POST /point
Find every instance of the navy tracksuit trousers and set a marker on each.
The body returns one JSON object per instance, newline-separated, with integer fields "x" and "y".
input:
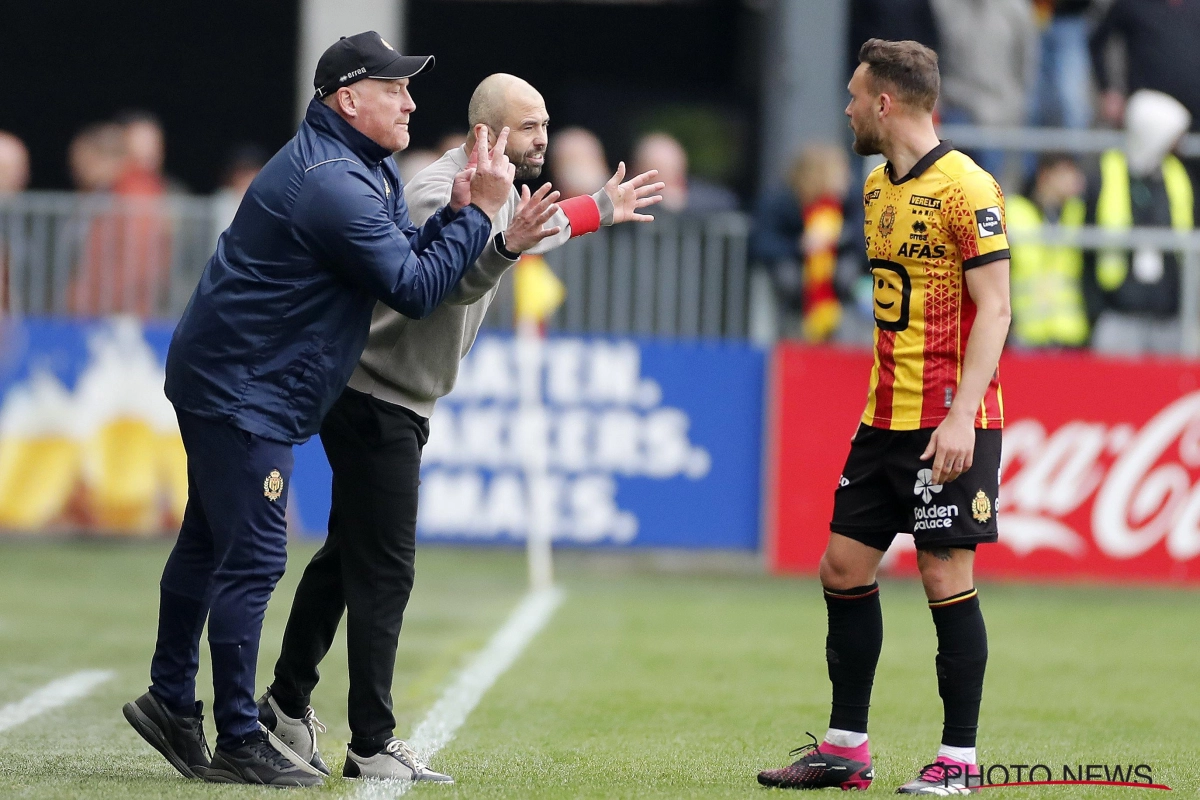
{"x": 230, "y": 554}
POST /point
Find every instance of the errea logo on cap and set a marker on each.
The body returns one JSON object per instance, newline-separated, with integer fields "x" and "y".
{"x": 385, "y": 44}
{"x": 350, "y": 75}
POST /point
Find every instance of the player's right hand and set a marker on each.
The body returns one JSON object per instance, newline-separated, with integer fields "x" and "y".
{"x": 533, "y": 212}
{"x": 494, "y": 173}
{"x": 952, "y": 448}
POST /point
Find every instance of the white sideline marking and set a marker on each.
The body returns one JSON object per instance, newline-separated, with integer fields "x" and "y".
{"x": 52, "y": 695}
{"x": 460, "y": 698}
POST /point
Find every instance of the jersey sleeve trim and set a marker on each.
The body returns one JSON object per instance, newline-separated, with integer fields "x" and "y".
{"x": 984, "y": 258}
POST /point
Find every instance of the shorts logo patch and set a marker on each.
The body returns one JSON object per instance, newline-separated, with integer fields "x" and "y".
{"x": 273, "y": 486}
{"x": 925, "y": 486}
{"x": 981, "y": 507}
{"x": 987, "y": 220}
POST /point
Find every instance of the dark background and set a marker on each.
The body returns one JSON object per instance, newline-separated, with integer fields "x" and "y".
{"x": 618, "y": 70}
{"x": 217, "y": 73}
{"x": 222, "y": 73}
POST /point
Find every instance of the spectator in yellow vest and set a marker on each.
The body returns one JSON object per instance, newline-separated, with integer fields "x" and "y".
{"x": 1142, "y": 184}
{"x": 1047, "y": 289}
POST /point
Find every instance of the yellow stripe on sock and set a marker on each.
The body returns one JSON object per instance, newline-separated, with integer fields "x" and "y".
{"x": 949, "y": 601}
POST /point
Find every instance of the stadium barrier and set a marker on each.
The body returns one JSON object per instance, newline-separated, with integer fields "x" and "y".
{"x": 1099, "y": 477}
{"x": 683, "y": 276}
{"x": 686, "y": 276}
{"x": 1050, "y": 140}
{"x": 647, "y": 443}
{"x": 63, "y": 253}
{"x": 66, "y": 254}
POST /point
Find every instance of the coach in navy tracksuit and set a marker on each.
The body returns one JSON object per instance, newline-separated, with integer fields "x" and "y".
{"x": 263, "y": 349}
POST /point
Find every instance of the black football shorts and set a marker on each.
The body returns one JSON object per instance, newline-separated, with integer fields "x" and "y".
{"x": 886, "y": 488}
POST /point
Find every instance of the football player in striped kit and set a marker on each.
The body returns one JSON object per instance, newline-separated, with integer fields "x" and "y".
{"x": 926, "y": 456}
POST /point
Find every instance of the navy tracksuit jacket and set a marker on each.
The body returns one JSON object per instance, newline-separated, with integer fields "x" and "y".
{"x": 266, "y": 345}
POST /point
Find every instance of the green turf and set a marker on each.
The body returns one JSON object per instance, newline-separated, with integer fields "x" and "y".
{"x": 646, "y": 683}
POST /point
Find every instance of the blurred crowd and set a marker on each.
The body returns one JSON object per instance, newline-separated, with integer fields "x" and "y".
{"x": 120, "y": 238}
{"x": 1133, "y": 65}
{"x": 577, "y": 164}
{"x": 1072, "y": 64}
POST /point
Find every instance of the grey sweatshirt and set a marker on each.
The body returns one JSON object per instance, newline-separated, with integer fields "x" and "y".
{"x": 412, "y": 363}
{"x": 988, "y": 57}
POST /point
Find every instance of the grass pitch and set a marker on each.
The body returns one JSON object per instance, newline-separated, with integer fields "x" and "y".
{"x": 648, "y": 682}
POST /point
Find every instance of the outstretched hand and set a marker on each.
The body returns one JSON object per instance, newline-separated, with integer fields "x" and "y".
{"x": 532, "y": 213}
{"x": 635, "y": 193}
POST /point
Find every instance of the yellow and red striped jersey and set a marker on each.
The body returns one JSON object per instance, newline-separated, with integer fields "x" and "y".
{"x": 923, "y": 232}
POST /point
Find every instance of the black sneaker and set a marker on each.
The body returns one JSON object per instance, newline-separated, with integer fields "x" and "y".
{"x": 817, "y": 769}
{"x": 262, "y": 759}
{"x": 180, "y": 739}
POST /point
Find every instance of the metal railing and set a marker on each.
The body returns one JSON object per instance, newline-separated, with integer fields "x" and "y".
{"x": 1040, "y": 140}
{"x": 684, "y": 275}
{"x": 85, "y": 255}
{"x": 89, "y": 255}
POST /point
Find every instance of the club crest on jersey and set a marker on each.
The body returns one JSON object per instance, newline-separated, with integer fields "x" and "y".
{"x": 981, "y": 507}
{"x": 887, "y": 220}
{"x": 273, "y": 486}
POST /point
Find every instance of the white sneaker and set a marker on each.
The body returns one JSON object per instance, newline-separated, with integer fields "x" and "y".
{"x": 298, "y": 734}
{"x": 397, "y": 761}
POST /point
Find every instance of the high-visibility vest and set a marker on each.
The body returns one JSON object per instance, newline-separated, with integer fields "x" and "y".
{"x": 1047, "y": 296}
{"x": 1114, "y": 210}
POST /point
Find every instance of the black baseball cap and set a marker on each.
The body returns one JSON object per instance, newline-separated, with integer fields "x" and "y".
{"x": 364, "y": 55}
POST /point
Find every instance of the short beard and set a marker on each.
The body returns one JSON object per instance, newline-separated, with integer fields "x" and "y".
{"x": 527, "y": 172}
{"x": 867, "y": 145}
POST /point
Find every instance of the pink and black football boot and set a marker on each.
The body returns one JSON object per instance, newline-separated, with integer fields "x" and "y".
{"x": 823, "y": 766}
{"x": 945, "y": 777}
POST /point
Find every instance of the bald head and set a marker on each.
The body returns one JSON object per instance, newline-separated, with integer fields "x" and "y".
{"x": 503, "y": 100}
{"x": 14, "y": 164}
{"x": 493, "y": 97}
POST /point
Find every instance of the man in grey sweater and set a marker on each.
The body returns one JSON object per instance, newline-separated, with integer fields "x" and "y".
{"x": 375, "y": 432}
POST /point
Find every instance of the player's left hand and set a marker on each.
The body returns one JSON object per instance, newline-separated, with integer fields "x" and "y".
{"x": 952, "y": 447}
{"x": 628, "y": 197}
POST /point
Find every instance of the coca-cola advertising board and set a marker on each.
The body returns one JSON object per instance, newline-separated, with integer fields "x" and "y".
{"x": 1100, "y": 477}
